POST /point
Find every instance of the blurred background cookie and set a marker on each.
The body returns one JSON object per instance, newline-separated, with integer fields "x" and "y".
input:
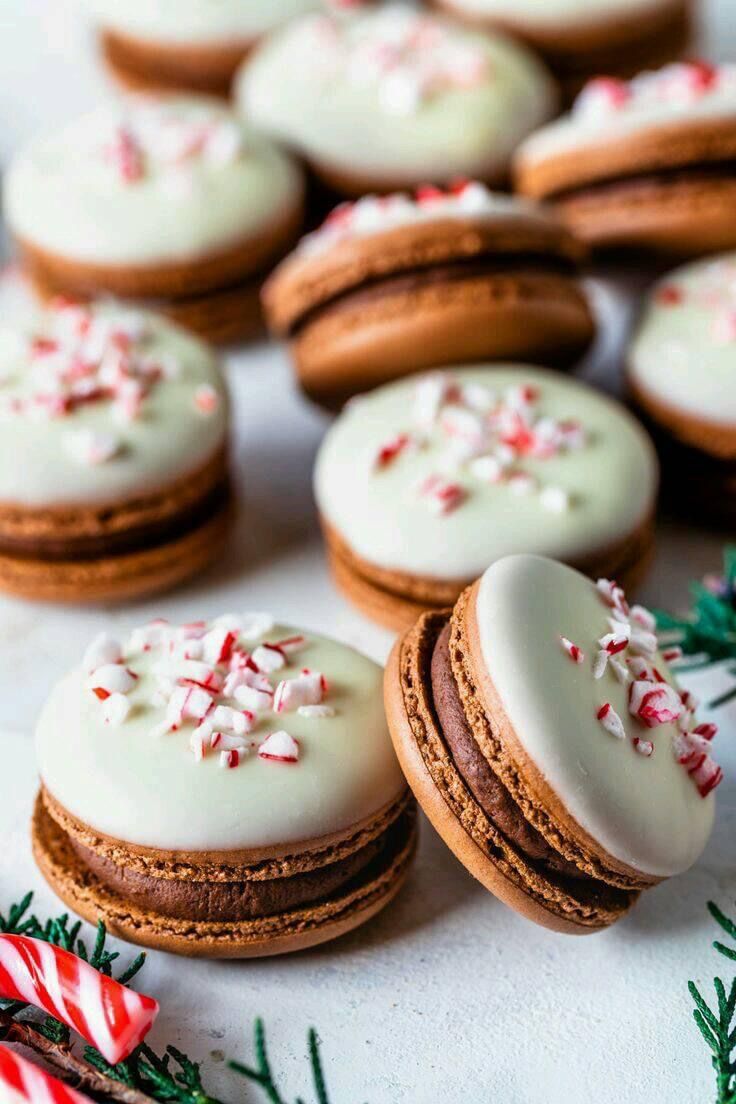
{"x": 174, "y": 203}
{"x": 184, "y": 45}
{"x": 393, "y": 284}
{"x": 390, "y": 98}
{"x": 421, "y": 484}
{"x": 681, "y": 365}
{"x": 580, "y": 39}
{"x": 113, "y": 455}
{"x": 645, "y": 164}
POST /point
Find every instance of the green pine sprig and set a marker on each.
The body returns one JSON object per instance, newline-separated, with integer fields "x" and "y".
{"x": 144, "y": 1077}
{"x": 708, "y": 632}
{"x": 262, "y": 1075}
{"x": 718, "y": 1025}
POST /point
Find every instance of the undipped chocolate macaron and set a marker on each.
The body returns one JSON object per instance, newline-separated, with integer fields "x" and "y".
{"x": 196, "y": 45}
{"x": 224, "y": 790}
{"x": 681, "y": 367}
{"x": 580, "y": 39}
{"x": 172, "y": 202}
{"x": 385, "y": 98}
{"x": 113, "y": 454}
{"x": 423, "y": 483}
{"x": 393, "y": 284}
{"x": 548, "y": 743}
{"x": 646, "y": 163}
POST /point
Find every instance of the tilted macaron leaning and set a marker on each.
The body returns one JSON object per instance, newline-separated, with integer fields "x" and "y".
{"x": 548, "y": 743}
{"x": 680, "y": 374}
{"x": 390, "y": 98}
{"x": 223, "y": 789}
{"x": 392, "y": 284}
{"x": 161, "y": 45}
{"x": 173, "y": 201}
{"x": 422, "y": 484}
{"x": 645, "y": 163}
{"x": 113, "y": 454}
{"x": 580, "y": 39}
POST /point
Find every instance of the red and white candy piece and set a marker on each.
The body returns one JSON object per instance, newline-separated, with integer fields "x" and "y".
{"x": 279, "y": 747}
{"x": 391, "y": 450}
{"x": 442, "y": 495}
{"x": 111, "y": 678}
{"x": 23, "y": 1083}
{"x": 654, "y": 703}
{"x": 90, "y": 447}
{"x": 308, "y": 688}
{"x": 575, "y": 653}
{"x": 110, "y": 1017}
{"x": 611, "y": 721}
{"x": 103, "y": 650}
{"x": 206, "y": 399}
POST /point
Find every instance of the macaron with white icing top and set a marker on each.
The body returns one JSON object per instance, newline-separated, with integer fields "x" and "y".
{"x": 223, "y": 788}
{"x": 392, "y": 97}
{"x": 389, "y": 285}
{"x": 632, "y": 161}
{"x": 423, "y": 483}
{"x": 174, "y": 201}
{"x": 196, "y": 45}
{"x": 580, "y": 39}
{"x": 680, "y": 370}
{"x": 118, "y": 422}
{"x": 547, "y": 740}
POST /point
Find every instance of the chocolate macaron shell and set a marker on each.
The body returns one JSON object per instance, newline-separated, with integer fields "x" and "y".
{"x": 499, "y": 726}
{"x": 449, "y": 805}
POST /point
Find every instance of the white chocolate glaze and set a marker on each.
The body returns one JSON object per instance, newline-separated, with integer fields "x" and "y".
{"x": 580, "y": 499}
{"x": 683, "y": 353}
{"x": 608, "y": 110}
{"x": 558, "y": 14}
{"x": 147, "y": 788}
{"x": 396, "y": 93}
{"x": 377, "y": 214}
{"x": 67, "y": 393}
{"x": 646, "y": 812}
{"x": 142, "y": 182}
{"x": 195, "y": 22}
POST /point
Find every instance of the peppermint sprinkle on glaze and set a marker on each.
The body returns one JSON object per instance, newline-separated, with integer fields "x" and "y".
{"x": 630, "y": 650}
{"x": 486, "y": 435}
{"x": 206, "y": 677}
{"x": 679, "y": 85}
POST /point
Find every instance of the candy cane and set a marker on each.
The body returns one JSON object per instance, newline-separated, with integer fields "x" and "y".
{"x": 110, "y": 1017}
{"x": 23, "y": 1083}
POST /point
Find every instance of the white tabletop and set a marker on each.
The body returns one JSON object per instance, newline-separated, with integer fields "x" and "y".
{"x": 446, "y": 996}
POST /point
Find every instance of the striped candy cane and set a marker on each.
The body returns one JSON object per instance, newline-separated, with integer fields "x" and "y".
{"x": 110, "y": 1017}
{"x": 23, "y": 1083}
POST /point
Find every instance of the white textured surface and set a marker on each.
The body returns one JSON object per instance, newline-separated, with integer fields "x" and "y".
{"x": 447, "y": 996}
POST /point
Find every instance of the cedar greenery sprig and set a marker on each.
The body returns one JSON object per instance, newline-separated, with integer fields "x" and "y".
{"x": 718, "y": 1026}
{"x": 708, "y": 632}
{"x": 144, "y": 1077}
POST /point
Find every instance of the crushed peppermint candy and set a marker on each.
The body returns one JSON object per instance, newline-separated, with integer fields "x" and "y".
{"x": 408, "y": 57}
{"x": 630, "y": 651}
{"x": 487, "y": 436}
{"x": 81, "y": 357}
{"x": 679, "y": 86}
{"x": 375, "y": 214}
{"x": 167, "y": 138}
{"x": 217, "y": 679}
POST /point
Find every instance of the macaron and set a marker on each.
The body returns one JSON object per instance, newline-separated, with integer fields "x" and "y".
{"x": 547, "y": 741}
{"x": 376, "y": 100}
{"x": 173, "y": 202}
{"x": 644, "y": 164}
{"x": 393, "y": 284}
{"x": 423, "y": 483}
{"x": 195, "y": 45}
{"x": 580, "y": 39}
{"x": 224, "y": 789}
{"x": 680, "y": 370}
{"x": 113, "y": 454}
